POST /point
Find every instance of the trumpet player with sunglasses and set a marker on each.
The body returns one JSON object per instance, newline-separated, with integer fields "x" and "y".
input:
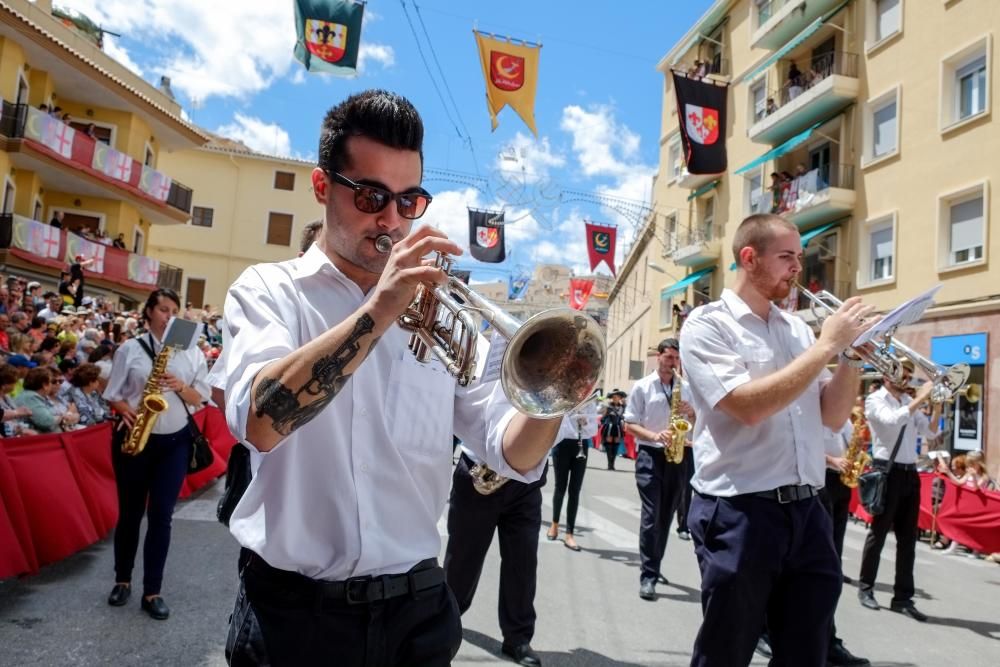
{"x": 350, "y": 434}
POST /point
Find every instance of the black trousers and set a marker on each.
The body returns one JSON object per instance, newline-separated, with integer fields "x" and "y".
{"x": 148, "y": 484}
{"x": 902, "y": 510}
{"x": 569, "y": 471}
{"x": 660, "y": 485}
{"x": 611, "y": 451}
{"x": 837, "y": 499}
{"x": 759, "y": 558}
{"x": 515, "y": 512}
{"x": 274, "y": 625}
{"x": 685, "y": 501}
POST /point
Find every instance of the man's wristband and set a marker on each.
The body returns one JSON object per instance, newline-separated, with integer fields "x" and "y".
{"x": 853, "y": 362}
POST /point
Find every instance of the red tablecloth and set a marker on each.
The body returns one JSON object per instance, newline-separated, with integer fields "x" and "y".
{"x": 58, "y": 491}
{"x": 971, "y": 518}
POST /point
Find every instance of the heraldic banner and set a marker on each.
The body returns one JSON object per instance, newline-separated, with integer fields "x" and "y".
{"x": 601, "y": 245}
{"x": 701, "y": 108}
{"x": 579, "y": 292}
{"x": 486, "y": 235}
{"x": 511, "y": 73}
{"x": 328, "y": 35}
{"x": 517, "y": 283}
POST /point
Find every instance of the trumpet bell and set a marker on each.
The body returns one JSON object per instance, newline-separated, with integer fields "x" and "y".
{"x": 553, "y": 363}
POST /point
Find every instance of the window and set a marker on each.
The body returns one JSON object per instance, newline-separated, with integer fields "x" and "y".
{"x": 966, "y": 231}
{"x": 884, "y": 129}
{"x": 708, "y": 220}
{"x": 965, "y": 90}
{"x": 755, "y": 193}
{"x": 137, "y": 241}
{"x": 674, "y": 159}
{"x": 201, "y": 216}
{"x": 764, "y": 11}
{"x": 666, "y": 310}
{"x": 880, "y": 252}
{"x": 670, "y": 238}
{"x": 195, "y": 292}
{"x": 888, "y": 18}
{"x": 972, "y": 88}
{"x": 279, "y": 229}
{"x": 758, "y": 100}
{"x": 150, "y": 157}
{"x": 284, "y": 180}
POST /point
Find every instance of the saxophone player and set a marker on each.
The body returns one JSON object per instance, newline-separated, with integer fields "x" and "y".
{"x": 148, "y": 483}
{"x": 660, "y": 482}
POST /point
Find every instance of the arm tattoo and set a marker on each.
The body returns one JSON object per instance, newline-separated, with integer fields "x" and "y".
{"x": 282, "y": 405}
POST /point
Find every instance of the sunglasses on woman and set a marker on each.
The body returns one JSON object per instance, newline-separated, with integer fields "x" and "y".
{"x": 372, "y": 199}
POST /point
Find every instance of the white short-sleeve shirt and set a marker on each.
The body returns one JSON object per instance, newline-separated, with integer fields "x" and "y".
{"x": 649, "y": 404}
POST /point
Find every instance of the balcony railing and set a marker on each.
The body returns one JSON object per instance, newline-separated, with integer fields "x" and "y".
{"x": 799, "y": 193}
{"x": 698, "y": 68}
{"x": 43, "y": 244}
{"x": 808, "y": 73}
{"x": 81, "y": 151}
{"x": 697, "y": 236}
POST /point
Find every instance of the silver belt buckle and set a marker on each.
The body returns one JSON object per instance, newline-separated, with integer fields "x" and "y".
{"x": 781, "y": 497}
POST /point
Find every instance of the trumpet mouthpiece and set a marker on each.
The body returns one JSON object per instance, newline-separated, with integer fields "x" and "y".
{"x": 383, "y": 243}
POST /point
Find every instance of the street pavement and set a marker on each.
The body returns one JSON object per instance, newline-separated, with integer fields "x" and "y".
{"x": 589, "y": 612}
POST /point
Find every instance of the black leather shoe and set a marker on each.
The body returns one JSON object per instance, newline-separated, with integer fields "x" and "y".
{"x": 839, "y": 656}
{"x": 907, "y": 609}
{"x": 119, "y": 595}
{"x": 867, "y": 600}
{"x": 522, "y": 654}
{"x": 647, "y": 589}
{"x": 764, "y": 647}
{"x": 156, "y": 608}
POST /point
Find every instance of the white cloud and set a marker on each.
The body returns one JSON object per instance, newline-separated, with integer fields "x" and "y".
{"x": 223, "y": 49}
{"x": 119, "y": 53}
{"x": 382, "y": 54}
{"x": 261, "y": 136}
{"x": 603, "y": 146}
{"x": 528, "y": 157}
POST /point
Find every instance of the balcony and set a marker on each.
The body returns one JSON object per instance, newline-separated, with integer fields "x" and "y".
{"x": 715, "y": 67}
{"x": 778, "y": 21}
{"x": 688, "y": 180}
{"x": 68, "y": 160}
{"x": 803, "y": 307}
{"x": 25, "y": 242}
{"x": 695, "y": 247}
{"x": 826, "y": 84}
{"x": 819, "y": 196}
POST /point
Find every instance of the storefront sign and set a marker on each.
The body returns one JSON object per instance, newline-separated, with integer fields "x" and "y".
{"x": 970, "y": 348}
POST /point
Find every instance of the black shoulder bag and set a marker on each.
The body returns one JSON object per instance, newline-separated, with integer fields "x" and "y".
{"x": 871, "y": 485}
{"x": 201, "y": 451}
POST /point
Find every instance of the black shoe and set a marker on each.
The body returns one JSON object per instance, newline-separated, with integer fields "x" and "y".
{"x": 660, "y": 579}
{"x": 764, "y": 647}
{"x": 522, "y": 654}
{"x": 848, "y": 580}
{"x": 907, "y": 609}
{"x": 119, "y": 595}
{"x": 684, "y": 535}
{"x": 839, "y": 656}
{"x": 647, "y": 589}
{"x": 156, "y": 608}
{"x": 867, "y": 600}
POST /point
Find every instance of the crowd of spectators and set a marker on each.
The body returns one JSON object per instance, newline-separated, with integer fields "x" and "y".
{"x": 55, "y": 357}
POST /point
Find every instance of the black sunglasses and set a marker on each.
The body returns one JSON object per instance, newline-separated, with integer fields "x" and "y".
{"x": 372, "y": 199}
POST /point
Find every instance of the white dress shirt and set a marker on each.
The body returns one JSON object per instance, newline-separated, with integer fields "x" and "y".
{"x": 359, "y": 489}
{"x": 649, "y": 404}
{"x": 724, "y": 345}
{"x": 131, "y": 368}
{"x": 579, "y": 424}
{"x": 886, "y": 415}
{"x": 835, "y": 442}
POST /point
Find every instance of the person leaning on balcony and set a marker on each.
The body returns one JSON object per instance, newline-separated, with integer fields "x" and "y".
{"x": 57, "y": 220}
{"x": 119, "y": 242}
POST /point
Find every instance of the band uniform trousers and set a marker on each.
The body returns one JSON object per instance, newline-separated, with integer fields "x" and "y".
{"x": 685, "y": 502}
{"x": 148, "y": 484}
{"x": 515, "y": 512}
{"x": 660, "y": 487}
{"x": 569, "y": 468}
{"x": 902, "y": 509}
{"x": 275, "y": 623}
{"x": 763, "y": 559}
{"x": 836, "y": 498}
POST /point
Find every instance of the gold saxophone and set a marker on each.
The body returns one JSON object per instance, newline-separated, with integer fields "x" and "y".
{"x": 674, "y": 451}
{"x": 150, "y": 407}
{"x": 857, "y": 458}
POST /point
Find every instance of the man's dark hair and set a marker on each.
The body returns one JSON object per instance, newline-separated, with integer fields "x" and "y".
{"x": 309, "y": 233}
{"x": 756, "y": 232}
{"x": 385, "y": 117}
{"x": 671, "y": 343}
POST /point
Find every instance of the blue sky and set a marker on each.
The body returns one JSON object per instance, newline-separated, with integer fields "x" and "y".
{"x": 597, "y": 109}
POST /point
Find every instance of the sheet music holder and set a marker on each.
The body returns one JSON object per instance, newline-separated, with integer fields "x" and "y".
{"x": 180, "y": 334}
{"x": 906, "y": 313}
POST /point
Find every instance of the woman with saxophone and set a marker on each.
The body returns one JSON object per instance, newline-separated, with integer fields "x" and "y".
{"x": 149, "y": 477}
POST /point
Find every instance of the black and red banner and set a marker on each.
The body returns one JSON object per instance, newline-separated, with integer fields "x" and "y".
{"x": 486, "y": 240}
{"x": 701, "y": 110}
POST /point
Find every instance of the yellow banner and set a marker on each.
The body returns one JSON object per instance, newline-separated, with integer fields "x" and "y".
{"x": 511, "y": 73}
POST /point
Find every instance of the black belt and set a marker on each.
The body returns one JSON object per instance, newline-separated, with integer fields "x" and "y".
{"x": 789, "y": 493}
{"x": 884, "y": 465}
{"x": 357, "y": 590}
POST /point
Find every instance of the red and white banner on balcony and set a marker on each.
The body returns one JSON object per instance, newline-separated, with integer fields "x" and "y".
{"x": 36, "y": 237}
{"x": 579, "y": 292}
{"x": 77, "y": 246}
{"x": 143, "y": 269}
{"x": 101, "y": 159}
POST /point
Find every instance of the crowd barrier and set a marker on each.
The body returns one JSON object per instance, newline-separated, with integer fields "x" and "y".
{"x": 57, "y": 491}
{"x": 971, "y": 518}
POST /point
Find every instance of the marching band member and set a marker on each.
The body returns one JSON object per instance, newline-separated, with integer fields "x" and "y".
{"x": 350, "y": 435}
{"x": 762, "y": 393}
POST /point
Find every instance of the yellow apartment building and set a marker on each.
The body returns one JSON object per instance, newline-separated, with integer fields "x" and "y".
{"x": 98, "y": 162}
{"x": 248, "y": 208}
{"x": 880, "y": 112}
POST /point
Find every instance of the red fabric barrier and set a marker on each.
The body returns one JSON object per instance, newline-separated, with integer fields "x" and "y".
{"x": 971, "y": 518}
{"x": 58, "y": 491}
{"x": 629, "y": 442}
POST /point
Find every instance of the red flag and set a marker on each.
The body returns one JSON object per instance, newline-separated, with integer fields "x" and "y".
{"x": 579, "y": 292}
{"x": 601, "y": 245}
